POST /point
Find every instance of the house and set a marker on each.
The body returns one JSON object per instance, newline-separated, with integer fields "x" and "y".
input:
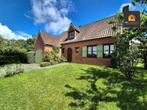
{"x": 89, "y": 44}
{"x": 44, "y": 43}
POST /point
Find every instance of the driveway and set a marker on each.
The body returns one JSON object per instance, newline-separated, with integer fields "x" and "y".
{"x": 28, "y": 67}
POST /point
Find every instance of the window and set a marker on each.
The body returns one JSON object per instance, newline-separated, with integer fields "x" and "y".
{"x": 71, "y": 35}
{"x": 92, "y": 51}
{"x": 111, "y": 48}
{"x": 62, "y": 50}
{"x": 108, "y": 50}
{"x": 77, "y": 49}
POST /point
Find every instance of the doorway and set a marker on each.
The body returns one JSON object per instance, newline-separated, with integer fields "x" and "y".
{"x": 69, "y": 55}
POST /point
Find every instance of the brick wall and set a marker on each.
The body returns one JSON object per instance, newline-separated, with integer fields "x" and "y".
{"x": 39, "y": 45}
{"x": 77, "y": 57}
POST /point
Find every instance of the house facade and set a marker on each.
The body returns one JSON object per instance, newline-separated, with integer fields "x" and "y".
{"x": 89, "y": 44}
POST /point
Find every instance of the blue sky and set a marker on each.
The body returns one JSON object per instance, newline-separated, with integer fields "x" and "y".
{"x": 26, "y": 17}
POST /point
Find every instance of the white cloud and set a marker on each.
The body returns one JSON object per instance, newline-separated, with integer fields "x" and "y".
{"x": 52, "y": 13}
{"x": 131, "y": 7}
{"x": 7, "y": 33}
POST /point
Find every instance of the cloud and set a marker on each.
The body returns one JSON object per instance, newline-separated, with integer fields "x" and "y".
{"x": 131, "y": 7}
{"x": 7, "y": 33}
{"x": 52, "y": 13}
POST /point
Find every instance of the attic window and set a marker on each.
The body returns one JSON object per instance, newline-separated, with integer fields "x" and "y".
{"x": 71, "y": 35}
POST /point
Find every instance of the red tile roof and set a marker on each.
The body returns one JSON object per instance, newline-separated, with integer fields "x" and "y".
{"x": 48, "y": 39}
{"x": 98, "y": 29}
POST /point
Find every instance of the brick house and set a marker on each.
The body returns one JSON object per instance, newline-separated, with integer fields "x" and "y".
{"x": 89, "y": 44}
{"x": 45, "y": 42}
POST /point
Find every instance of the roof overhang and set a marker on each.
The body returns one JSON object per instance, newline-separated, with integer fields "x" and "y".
{"x": 84, "y": 40}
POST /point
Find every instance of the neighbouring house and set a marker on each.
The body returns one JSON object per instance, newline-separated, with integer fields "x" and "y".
{"x": 89, "y": 44}
{"x": 44, "y": 43}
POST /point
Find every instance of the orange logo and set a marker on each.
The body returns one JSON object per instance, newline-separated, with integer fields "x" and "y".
{"x": 131, "y": 18}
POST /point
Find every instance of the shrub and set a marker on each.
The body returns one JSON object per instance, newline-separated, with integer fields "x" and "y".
{"x": 13, "y": 55}
{"x": 10, "y": 70}
{"x": 63, "y": 59}
{"x": 52, "y": 56}
{"x": 44, "y": 64}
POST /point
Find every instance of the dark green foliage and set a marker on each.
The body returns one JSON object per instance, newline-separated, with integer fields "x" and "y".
{"x": 30, "y": 43}
{"x": 13, "y": 55}
{"x": 127, "y": 51}
{"x": 15, "y": 51}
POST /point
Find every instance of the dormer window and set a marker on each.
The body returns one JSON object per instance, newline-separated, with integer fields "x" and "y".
{"x": 72, "y": 32}
{"x": 71, "y": 35}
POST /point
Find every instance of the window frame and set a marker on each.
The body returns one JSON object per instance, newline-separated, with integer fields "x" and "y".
{"x": 92, "y": 51}
{"x": 69, "y": 35}
{"x": 109, "y": 50}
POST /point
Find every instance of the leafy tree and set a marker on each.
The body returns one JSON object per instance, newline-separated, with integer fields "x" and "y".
{"x": 30, "y": 43}
{"x": 139, "y": 1}
{"x": 143, "y": 4}
{"x": 127, "y": 50}
{"x": 143, "y": 31}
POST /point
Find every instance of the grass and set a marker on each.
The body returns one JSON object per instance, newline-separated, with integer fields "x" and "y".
{"x": 74, "y": 86}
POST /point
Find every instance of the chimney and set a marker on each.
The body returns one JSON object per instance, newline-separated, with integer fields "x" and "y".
{"x": 125, "y": 8}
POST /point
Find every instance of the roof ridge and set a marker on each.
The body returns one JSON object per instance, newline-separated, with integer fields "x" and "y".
{"x": 48, "y": 34}
{"x": 97, "y": 21}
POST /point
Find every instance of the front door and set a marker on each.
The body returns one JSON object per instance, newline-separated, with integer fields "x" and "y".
{"x": 69, "y": 55}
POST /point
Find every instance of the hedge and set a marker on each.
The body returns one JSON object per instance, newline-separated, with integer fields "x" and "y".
{"x": 9, "y": 70}
{"x": 9, "y": 56}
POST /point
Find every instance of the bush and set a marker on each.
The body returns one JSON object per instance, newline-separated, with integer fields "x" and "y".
{"x": 9, "y": 56}
{"x": 10, "y": 70}
{"x": 44, "y": 64}
{"x": 53, "y": 55}
{"x": 63, "y": 59}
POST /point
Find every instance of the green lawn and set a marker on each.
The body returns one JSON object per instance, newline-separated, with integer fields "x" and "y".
{"x": 73, "y": 86}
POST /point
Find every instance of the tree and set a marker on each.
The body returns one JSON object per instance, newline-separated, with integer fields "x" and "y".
{"x": 143, "y": 4}
{"x": 127, "y": 50}
{"x": 143, "y": 32}
{"x": 30, "y": 43}
{"x": 139, "y": 1}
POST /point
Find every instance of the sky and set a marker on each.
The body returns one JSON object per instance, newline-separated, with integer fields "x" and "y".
{"x": 20, "y": 19}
